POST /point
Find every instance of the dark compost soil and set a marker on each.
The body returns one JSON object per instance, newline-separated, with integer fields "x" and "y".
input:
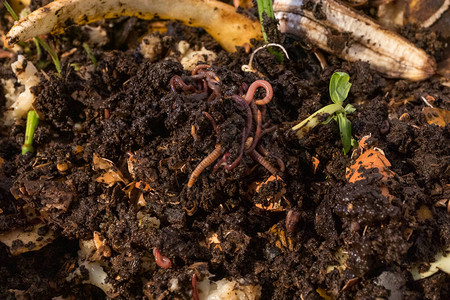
{"x": 125, "y": 111}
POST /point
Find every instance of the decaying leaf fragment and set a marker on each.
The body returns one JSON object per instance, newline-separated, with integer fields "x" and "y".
{"x": 436, "y": 116}
{"x": 273, "y": 199}
{"x": 111, "y": 175}
{"x": 19, "y": 241}
{"x": 371, "y": 158}
{"x": 441, "y": 262}
{"x": 220, "y": 20}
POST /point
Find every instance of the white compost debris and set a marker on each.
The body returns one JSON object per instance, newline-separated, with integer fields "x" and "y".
{"x": 19, "y": 101}
{"x": 189, "y": 57}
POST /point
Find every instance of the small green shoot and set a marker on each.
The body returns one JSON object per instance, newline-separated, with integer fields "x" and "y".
{"x": 51, "y": 52}
{"x": 88, "y": 51}
{"x": 38, "y": 41}
{"x": 266, "y": 7}
{"x": 339, "y": 88}
{"x": 76, "y": 66}
{"x": 11, "y": 11}
{"x": 32, "y": 122}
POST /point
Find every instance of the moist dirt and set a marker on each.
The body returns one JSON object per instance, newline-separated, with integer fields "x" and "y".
{"x": 155, "y": 133}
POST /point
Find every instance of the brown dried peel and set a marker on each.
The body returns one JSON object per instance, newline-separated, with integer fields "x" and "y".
{"x": 386, "y": 51}
{"x": 220, "y": 20}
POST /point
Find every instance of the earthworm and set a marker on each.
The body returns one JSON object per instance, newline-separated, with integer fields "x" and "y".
{"x": 245, "y": 133}
{"x": 177, "y": 81}
{"x": 211, "y": 119}
{"x": 213, "y": 83}
{"x": 291, "y": 220}
{"x": 385, "y": 127}
{"x": 194, "y": 288}
{"x": 210, "y": 78}
{"x": 257, "y": 132}
{"x": 243, "y": 88}
{"x": 244, "y": 104}
{"x": 221, "y": 161}
{"x": 198, "y": 68}
{"x": 162, "y": 261}
{"x": 267, "y": 130}
{"x": 258, "y": 158}
{"x": 252, "y": 89}
{"x": 204, "y": 163}
{"x": 264, "y": 152}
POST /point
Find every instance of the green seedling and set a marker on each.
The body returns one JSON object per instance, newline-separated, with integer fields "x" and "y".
{"x": 38, "y": 41}
{"x": 89, "y": 53}
{"x": 32, "y": 122}
{"x": 266, "y": 7}
{"x": 339, "y": 88}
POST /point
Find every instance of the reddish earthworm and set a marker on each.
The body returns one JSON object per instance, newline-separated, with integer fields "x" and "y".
{"x": 194, "y": 288}
{"x": 204, "y": 163}
{"x": 252, "y": 89}
{"x": 267, "y": 130}
{"x": 267, "y": 124}
{"x": 244, "y": 104}
{"x": 199, "y": 68}
{"x": 264, "y": 152}
{"x": 281, "y": 164}
{"x": 210, "y": 79}
{"x": 211, "y": 119}
{"x": 162, "y": 261}
{"x": 176, "y": 81}
{"x": 245, "y": 133}
{"x": 258, "y": 158}
{"x": 243, "y": 88}
{"x": 257, "y": 132}
{"x": 221, "y": 161}
{"x": 291, "y": 220}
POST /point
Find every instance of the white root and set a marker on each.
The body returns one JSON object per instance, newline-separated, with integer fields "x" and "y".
{"x": 220, "y": 20}
{"x": 386, "y": 51}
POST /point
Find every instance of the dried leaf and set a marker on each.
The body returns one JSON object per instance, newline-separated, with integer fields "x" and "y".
{"x": 112, "y": 174}
{"x": 436, "y": 116}
{"x": 441, "y": 262}
{"x": 101, "y": 163}
{"x": 282, "y": 240}
{"x": 111, "y": 177}
{"x": 370, "y": 158}
{"x": 315, "y": 162}
{"x": 19, "y": 241}
{"x": 273, "y": 199}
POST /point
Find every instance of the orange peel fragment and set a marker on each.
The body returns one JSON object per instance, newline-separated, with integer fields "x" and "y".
{"x": 371, "y": 158}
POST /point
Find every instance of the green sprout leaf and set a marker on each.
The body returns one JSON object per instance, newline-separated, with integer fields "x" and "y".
{"x": 38, "y": 41}
{"x": 52, "y": 54}
{"x": 91, "y": 56}
{"x": 11, "y": 11}
{"x": 345, "y": 128}
{"x": 32, "y": 122}
{"x": 339, "y": 87}
{"x": 265, "y": 6}
{"x": 315, "y": 119}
